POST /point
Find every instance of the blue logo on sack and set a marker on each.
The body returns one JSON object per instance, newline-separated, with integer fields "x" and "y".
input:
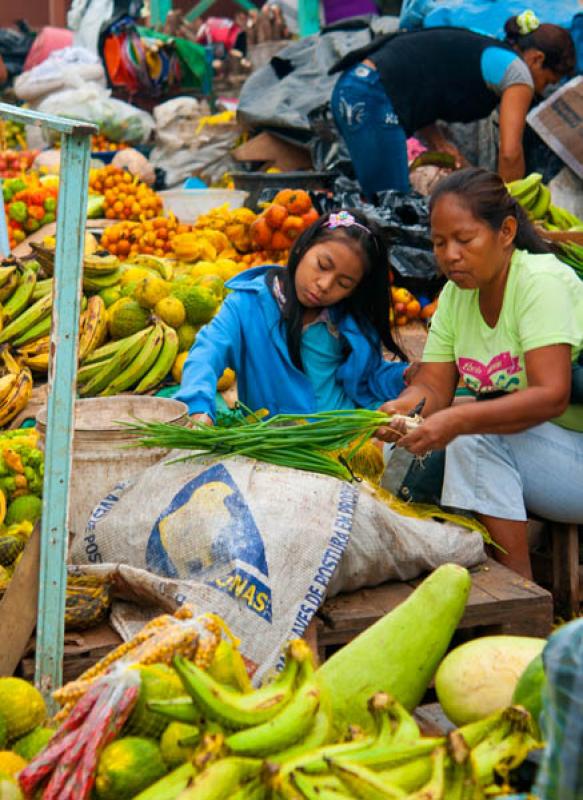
{"x": 212, "y": 496}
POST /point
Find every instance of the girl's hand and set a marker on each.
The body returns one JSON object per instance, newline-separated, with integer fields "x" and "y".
{"x": 434, "y": 433}
{"x": 202, "y": 418}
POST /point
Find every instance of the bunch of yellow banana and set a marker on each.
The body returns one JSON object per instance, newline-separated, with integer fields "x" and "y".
{"x": 138, "y": 363}
{"x": 276, "y": 743}
{"x": 15, "y": 387}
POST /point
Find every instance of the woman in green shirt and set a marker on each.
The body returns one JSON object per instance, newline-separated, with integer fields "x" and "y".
{"x": 510, "y": 325}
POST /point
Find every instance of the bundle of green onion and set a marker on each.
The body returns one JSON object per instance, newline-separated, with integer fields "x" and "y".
{"x": 288, "y": 440}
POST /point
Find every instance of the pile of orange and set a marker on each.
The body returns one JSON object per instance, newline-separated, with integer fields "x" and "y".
{"x": 280, "y": 224}
{"x": 100, "y": 143}
{"x": 126, "y": 197}
{"x": 149, "y": 237}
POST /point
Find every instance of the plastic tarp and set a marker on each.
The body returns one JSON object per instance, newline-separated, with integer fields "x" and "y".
{"x": 295, "y": 82}
{"x": 485, "y": 16}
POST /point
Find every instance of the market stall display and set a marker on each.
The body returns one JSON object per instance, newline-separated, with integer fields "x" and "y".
{"x": 170, "y": 714}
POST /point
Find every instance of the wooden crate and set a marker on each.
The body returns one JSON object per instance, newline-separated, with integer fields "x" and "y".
{"x": 82, "y": 650}
{"x": 500, "y": 602}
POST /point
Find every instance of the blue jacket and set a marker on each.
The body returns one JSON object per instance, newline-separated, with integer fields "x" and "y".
{"x": 247, "y": 335}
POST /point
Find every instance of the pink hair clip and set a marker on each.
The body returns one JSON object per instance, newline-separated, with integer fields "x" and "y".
{"x": 344, "y": 220}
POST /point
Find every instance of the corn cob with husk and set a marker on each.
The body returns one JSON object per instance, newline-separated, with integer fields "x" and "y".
{"x": 194, "y": 638}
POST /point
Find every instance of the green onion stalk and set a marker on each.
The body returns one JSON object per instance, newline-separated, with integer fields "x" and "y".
{"x": 287, "y": 440}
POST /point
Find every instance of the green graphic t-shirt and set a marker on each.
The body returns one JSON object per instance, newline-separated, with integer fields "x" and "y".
{"x": 543, "y": 305}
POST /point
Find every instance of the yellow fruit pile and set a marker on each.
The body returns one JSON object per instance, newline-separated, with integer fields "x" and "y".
{"x": 148, "y": 237}
{"x": 126, "y": 197}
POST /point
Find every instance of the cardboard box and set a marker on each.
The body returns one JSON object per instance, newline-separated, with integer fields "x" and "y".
{"x": 558, "y": 120}
{"x": 274, "y": 152}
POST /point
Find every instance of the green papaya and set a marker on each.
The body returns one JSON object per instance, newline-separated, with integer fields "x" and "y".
{"x": 400, "y": 653}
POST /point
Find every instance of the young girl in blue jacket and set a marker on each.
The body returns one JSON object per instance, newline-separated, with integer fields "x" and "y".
{"x": 308, "y": 337}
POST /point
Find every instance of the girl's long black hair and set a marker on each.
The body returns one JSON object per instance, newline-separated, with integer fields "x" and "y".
{"x": 485, "y": 194}
{"x": 369, "y": 304}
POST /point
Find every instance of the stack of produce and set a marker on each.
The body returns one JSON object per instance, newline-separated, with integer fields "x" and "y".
{"x": 149, "y": 237}
{"x": 101, "y": 144}
{"x": 535, "y": 198}
{"x": 125, "y": 196}
{"x": 109, "y": 702}
{"x": 12, "y": 135}
{"x": 133, "y": 727}
{"x": 406, "y": 307}
{"x": 280, "y": 224}
{"x": 29, "y": 205}
{"x": 24, "y": 728}
{"x": 21, "y": 481}
{"x": 14, "y": 162}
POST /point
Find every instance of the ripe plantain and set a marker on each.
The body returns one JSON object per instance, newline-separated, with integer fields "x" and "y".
{"x": 6, "y": 384}
{"x": 27, "y": 320}
{"x": 117, "y": 363}
{"x": 10, "y": 285}
{"x": 13, "y": 307}
{"x": 6, "y": 273}
{"x": 37, "y": 363}
{"x": 17, "y": 398}
{"x": 139, "y": 366}
{"x": 94, "y": 327}
{"x": 163, "y": 363}
{"x": 35, "y": 346}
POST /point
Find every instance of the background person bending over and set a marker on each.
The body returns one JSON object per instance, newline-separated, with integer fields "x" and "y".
{"x": 510, "y": 323}
{"x": 403, "y": 83}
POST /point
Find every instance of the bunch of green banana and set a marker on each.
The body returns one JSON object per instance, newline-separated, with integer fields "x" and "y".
{"x": 100, "y": 271}
{"x": 532, "y": 194}
{"x": 138, "y": 363}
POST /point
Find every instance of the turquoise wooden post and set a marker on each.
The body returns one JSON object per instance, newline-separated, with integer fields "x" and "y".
{"x": 72, "y": 212}
{"x": 308, "y": 17}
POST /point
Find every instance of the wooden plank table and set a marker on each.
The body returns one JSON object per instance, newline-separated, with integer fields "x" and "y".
{"x": 500, "y": 602}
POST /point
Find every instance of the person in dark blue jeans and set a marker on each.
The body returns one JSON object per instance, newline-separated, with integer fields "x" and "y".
{"x": 404, "y": 83}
